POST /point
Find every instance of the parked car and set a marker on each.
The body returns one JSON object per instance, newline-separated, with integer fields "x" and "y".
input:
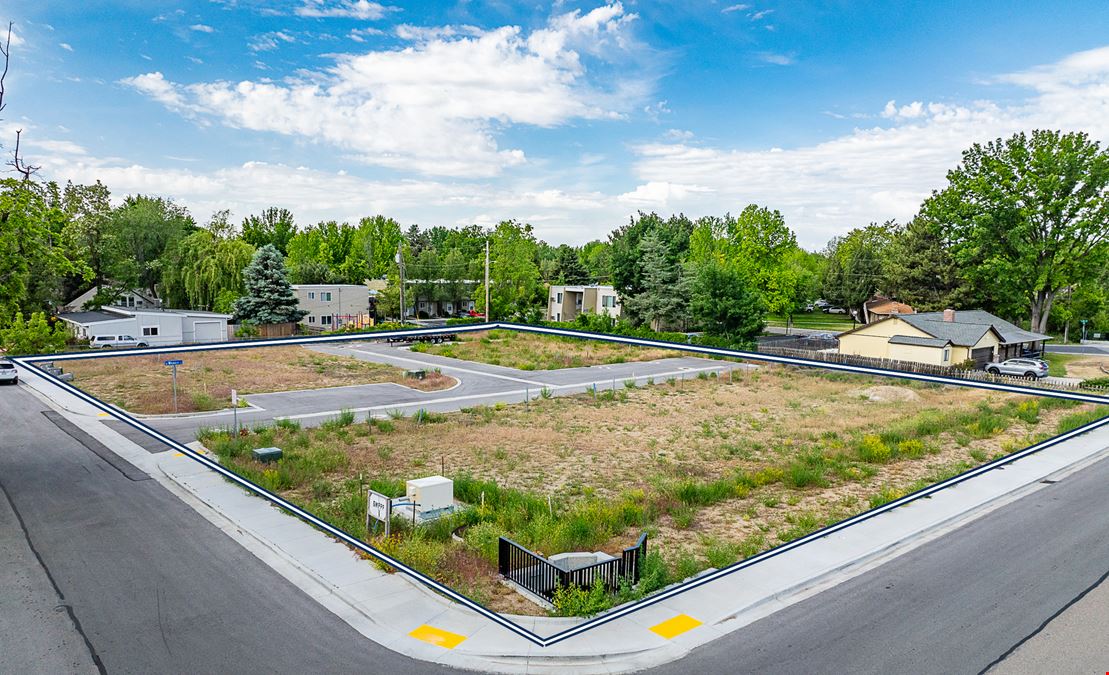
{"x": 832, "y": 309}
{"x": 1030, "y": 368}
{"x": 113, "y": 341}
{"x": 821, "y": 304}
{"x": 8, "y": 373}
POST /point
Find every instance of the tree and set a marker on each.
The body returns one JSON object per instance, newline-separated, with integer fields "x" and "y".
{"x": 454, "y": 268}
{"x": 663, "y": 301}
{"x": 570, "y": 268}
{"x": 376, "y": 241}
{"x": 204, "y": 267}
{"x": 145, "y": 228}
{"x": 269, "y": 298}
{"x": 513, "y": 272}
{"x": 273, "y": 226}
{"x": 854, "y": 272}
{"x": 424, "y": 276}
{"x": 94, "y": 234}
{"x": 627, "y": 253}
{"x": 1028, "y": 213}
{"x": 724, "y": 302}
{"x": 33, "y": 336}
{"x": 596, "y": 257}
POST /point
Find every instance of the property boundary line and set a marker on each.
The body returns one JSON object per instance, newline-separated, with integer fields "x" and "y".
{"x": 307, "y": 516}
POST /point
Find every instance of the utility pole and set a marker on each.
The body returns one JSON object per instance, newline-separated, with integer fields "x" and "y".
{"x": 486, "y": 279}
{"x": 400, "y": 266}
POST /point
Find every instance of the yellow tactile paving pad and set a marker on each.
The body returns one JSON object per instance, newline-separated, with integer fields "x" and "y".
{"x": 672, "y": 628}
{"x": 438, "y": 636}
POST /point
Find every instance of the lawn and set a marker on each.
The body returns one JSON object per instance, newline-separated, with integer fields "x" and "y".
{"x": 714, "y": 469}
{"x": 143, "y": 384}
{"x": 813, "y": 321}
{"x": 532, "y": 351}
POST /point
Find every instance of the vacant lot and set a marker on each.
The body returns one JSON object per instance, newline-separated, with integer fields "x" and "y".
{"x": 531, "y": 351}
{"x": 713, "y": 469}
{"x": 143, "y": 384}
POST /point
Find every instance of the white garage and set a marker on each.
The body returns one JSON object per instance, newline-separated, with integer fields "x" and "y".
{"x": 155, "y": 327}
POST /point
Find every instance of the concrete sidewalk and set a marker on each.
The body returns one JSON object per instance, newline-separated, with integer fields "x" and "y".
{"x": 408, "y": 618}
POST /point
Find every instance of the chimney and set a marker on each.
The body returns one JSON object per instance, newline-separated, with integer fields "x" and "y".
{"x": 949, "y": 315}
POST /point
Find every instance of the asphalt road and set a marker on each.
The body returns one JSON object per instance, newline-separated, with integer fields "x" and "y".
{"x": 1079, "y": 349}
{"x": 955, "y": 605}
{"x": 149, "y": 585}
{"x": 479, "y": 384}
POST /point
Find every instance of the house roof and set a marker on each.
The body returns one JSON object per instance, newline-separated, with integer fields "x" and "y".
{"x": 971, "y": 320}
{"x": 90, "y": 317}
{"x": 887, "y": 306}
{"x": 919, "y": 341}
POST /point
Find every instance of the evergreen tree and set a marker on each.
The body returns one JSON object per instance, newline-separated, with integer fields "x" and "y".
{"x": 269, "y": 297}
{"x": 570, "y": 269}
{"x": 664, "y": 299}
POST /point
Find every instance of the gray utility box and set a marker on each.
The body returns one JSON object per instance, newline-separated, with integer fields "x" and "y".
{"x": 265, "y": 455}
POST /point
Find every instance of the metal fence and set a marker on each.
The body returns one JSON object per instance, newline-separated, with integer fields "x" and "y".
{"x": 927, "y": 369}
{"x": 540, "y": 576}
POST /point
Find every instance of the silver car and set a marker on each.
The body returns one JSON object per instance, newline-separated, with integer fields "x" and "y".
{"x": 8, "y": 373}
{"x": 1030, "y": 368}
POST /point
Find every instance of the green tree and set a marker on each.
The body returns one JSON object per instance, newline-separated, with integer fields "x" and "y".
{"x": 1028, "y": 213}
{"x": 454, "y": 270}
{"x": 626, "y": 252}
{"x": 205, "y": 266}
{"x": 596, "y": 257}
{"x": 424, "y": 275}
{"x": 268, "y": 298}
{"x": 663, "y": 303}
{"x": 146, "y": 227}
{"x": 274, "y": 226}
{"x": 95, "y": 235}
{"x": 570, "y": 268}
{"x": 513, "y": 273}
{"x": 724, "y": 302}
{"x": 376, "y": 241}
{"x": 32, "y": 336}
{"x": 855, "y": 266}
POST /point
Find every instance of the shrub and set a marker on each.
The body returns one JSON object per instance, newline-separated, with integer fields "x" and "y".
{"x": 872, "y": 449}
{"x": 1096, "y": 382}
{"x": 577, "y": 601}
{"x": 911, "y": 448}
{"x": 484, "y": 538}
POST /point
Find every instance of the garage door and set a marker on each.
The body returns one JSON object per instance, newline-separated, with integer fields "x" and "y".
{"x": 207, "y": 331}
{"x": 981, "y": 356}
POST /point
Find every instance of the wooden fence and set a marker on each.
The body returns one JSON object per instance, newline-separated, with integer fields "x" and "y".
{"x": 928, "y": 369}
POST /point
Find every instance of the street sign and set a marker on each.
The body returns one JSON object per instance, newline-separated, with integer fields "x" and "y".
{"x": 174, "y": 362}
{"x": 378, "y": 507}
{"x": 234, "y": 399}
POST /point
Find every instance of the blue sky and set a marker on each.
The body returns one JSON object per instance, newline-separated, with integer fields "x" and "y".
{"x": 570, "y": 116}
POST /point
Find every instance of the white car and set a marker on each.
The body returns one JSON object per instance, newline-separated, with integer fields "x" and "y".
{"x": 1030, "y": 368}
{"x": 8, "y": 373}
{"x": 112, "y": 341}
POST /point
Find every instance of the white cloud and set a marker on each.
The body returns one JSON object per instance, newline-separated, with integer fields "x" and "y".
{"x": 776, "y": 59}
{"x": 762, "y": 14}
{"x": 269, "y": 41}
{"x": 66, "y": 46}
{"x": 879, "y": 172}
{"x": 734, "y": 8}
{"x": 15, "y": 39}
{"x": 344, "y": 9}
{"x": 360, "y": 34}
{"x": 660, "y": 194}
{"x": 202, "y": 28}
{"x": 432, "y": 107}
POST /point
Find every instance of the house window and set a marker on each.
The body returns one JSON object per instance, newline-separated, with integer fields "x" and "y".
{"x": 149, "y": 331}
{"x": 558, "y": 298}
{"x": 608, "y": 301}
{"x": 311, "y": 319}
{"x": 311, "y": 295}
{"x": 946, "y": 354}
{"x": 326, "y": 320}
{"x": 326, "y": 297}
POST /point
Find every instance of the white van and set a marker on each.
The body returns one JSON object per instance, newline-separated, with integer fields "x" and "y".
{"x": 111, "y": 341}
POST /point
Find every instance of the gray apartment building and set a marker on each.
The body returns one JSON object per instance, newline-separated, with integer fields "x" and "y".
{"x": 564, "y": 303}
{"x": 332, "y": 306}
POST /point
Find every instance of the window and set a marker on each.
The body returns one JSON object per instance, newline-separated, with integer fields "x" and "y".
{"x": 149, "y": 331}
{"x": 311, "y": 319}
{"x": 608, "y": 301}
{"x": 326, "y": 297}
{"x": 558, "y": 298}
{"x": 126, "y": 337}
{"x": 946, "y": 354}
{"x": 325, "y": 320}
{"x": 311, "y": 295}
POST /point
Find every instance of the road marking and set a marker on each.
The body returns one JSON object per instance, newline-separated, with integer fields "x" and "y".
{"x": 434, "y": 364}
{"x": 438, "y": 636}
{"x": 604, "y": 385}
{"x": 672, "y": 628}
{"x": 178, "y": 454}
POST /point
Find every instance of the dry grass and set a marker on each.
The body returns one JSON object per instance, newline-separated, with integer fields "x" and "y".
{"x": 531, "y": 351}
{"x": 143, "y": 384}
{"x": 1088, "y": 368}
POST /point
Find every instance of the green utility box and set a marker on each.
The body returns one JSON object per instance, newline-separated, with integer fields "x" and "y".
{"x": 266, "y": 454}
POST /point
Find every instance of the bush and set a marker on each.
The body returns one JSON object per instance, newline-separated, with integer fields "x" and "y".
{"x": 577, "y": 601}
{"x": 872, "y": 449}
{"x": 1096, "y": 382}
{"x": 33, "y": 336}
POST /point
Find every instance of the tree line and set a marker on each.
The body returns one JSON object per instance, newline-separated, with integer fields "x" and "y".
{"x": 1020, "y": 229}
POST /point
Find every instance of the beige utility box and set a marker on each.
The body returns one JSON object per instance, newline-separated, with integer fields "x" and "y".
{"x": 431, "y": 493}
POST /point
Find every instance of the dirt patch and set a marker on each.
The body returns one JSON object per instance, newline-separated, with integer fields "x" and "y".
{"x": 144, "y": 385}
{"x": 886, "y": 393}
{"x": 531, "y": 351}
{"x": 1089, "y": 368}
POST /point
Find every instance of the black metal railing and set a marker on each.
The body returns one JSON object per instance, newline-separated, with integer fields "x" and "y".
{"x": 540, "y": 576}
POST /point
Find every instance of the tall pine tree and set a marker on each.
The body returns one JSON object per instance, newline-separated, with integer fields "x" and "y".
{"x": 269, "y": 297}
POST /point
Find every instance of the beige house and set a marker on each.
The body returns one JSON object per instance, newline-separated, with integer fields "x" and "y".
{"x": 941, "y": 338}
{"x": 332, "y": 306}
{"x": 564, "y": 303}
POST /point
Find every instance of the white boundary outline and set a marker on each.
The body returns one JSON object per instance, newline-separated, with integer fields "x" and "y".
{"x": 538, "y": 640}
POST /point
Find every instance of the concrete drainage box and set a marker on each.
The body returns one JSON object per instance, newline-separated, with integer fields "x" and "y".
{"x": 265, "y": 455}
